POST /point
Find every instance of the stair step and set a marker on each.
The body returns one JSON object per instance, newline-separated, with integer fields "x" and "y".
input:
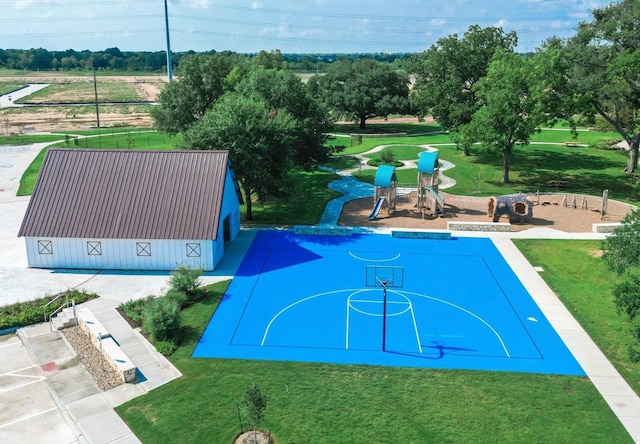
{"x": 57, "y": 324}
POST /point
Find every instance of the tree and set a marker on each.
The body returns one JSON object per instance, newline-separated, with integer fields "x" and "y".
{"x": 255, "y": 403}
{"x": 260, "y": 140}
{"x": 362, "y": 89}
{"x": 603, "y": 71}
{"x": 621, "y": 250}
{"x": 200, "y": 81}
{"x": 508, "y": 107}
{"x": 448, "y": 71}
{"x": 282, "y": 89}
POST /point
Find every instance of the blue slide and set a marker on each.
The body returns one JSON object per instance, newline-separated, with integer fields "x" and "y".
{"x": 439, "y": 197}
{"x": 376, "y": 208}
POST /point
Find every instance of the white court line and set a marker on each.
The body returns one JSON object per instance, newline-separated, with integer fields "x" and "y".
{"x": 504, "y": 347}
{"x": 266, "y": 332}
{"x": 357, "y": 291}
{"x": 415, "y": 326}
{"x": 373, "y": 260}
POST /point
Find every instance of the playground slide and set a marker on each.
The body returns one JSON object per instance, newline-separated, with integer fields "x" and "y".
{"x": 439, "y": 197}
{"x": 376, "y": 208}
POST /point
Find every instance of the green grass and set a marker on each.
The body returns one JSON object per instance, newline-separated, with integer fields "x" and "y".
{"x": 7, "y": 87}
{"x": 351, "y": 403}
{"x": 580, "y": 278}
{"x": 309, "y": 196}
{"x": 588, "y": 171}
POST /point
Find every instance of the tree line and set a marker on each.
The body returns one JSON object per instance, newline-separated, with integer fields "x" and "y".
{"x": 490, "y": 98}
{"x": 40, "y": 59}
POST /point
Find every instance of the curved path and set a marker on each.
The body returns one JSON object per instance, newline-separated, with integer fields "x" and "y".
{"x": 353, "y": 188}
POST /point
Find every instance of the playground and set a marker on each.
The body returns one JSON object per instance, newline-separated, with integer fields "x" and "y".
{"x": 426, "y": 205}
{"x": 388, "y": 300}
{"x": 547, "y": 213}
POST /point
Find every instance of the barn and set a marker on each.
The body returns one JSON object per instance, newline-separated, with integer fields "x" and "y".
{"x": 131, "y": 210}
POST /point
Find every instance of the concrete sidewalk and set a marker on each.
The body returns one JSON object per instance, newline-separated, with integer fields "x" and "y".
{"x": 55, "y": 400}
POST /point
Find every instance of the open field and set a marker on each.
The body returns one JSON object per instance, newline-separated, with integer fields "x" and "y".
{"x": 68, "y": 89}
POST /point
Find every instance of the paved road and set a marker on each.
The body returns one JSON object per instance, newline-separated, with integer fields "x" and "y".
{"x": 9, "y": 100}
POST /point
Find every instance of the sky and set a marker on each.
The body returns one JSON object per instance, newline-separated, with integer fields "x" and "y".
{"x": 292, "y": 26}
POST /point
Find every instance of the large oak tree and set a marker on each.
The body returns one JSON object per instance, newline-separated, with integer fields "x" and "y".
{"x": 603, "y": 71}
{"x": 509, "y": 109}
{"x": 446, "y": 75}
{"x": 362, "y": 89}
{"x": 260, "y": 141}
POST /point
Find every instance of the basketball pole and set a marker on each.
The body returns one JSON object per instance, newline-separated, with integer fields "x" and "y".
{"x": 384, "y": 315}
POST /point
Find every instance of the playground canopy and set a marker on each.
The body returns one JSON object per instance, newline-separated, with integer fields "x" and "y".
{"x": 385, "y": 176}
{"x": 428, "y": 162}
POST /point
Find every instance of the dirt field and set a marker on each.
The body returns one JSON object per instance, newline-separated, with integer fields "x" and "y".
{"x": 68, "y": 118}
{"x": 547, "y": 212}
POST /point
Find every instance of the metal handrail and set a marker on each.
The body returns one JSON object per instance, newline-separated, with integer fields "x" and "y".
{"x": 62, "y": 307}
{"x": 66, "y": 304}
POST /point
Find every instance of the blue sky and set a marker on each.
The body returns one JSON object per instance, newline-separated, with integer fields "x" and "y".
{"x": 303, "y": 26}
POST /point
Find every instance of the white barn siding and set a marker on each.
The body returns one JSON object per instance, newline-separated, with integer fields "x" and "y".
{"x": 121, "y": 254}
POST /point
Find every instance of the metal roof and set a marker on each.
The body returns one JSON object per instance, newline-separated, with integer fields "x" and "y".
{"x": 428, "y": 162}
{"x": 384, "y": 176}
{"x": 123, "y": 194}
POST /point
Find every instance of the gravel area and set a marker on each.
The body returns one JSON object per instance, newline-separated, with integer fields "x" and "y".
{"x": 105, "y": 376}
{"x": 547, "y": 212}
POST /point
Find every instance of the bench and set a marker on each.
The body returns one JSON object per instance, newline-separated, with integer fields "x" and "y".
{"x": 94, "y": 329}
{"x": 558, "y": 183}
{"x": 103, "y": 341}
{"x": 571, "y": 144}
{"x": 118, "y": 359}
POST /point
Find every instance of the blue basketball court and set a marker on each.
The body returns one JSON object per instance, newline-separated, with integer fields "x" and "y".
{"x": 451, "y": 303}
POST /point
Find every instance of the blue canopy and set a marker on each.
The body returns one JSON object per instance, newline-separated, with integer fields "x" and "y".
{"x": 384, "y": 176}
{"x": 428, "y": 162}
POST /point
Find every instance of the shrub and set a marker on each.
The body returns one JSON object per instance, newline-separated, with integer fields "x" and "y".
{"x": 633, "y": 353}
{"x": 134, "y": 308}
{"x": 162, "y": 319}
{"x": 187, "y": 280}
{"x": 179, "y": 296}
{"x": 627, "y": 296}
{"x": 166, "y": 347}
{"x": 635, "y": 330}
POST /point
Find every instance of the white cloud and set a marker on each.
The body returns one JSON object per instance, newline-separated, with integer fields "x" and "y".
{"x": 438, "y": 22}
{"x": 200, "y": 4}
{"x": 257, "y": 5}
{"x": 501, "y": 23}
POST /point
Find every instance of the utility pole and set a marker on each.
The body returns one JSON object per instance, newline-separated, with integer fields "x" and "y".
{"x": 95, "y": 90}
{"x": 166, "y": 25}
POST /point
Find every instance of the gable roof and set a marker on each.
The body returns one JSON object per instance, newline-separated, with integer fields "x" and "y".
{"x": 123, "y": 194}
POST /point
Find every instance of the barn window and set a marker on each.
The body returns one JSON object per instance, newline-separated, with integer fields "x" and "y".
{"x": 94, "y": 248}
{"x": 193, "y": 250}
{"x": 143, "y": 248}
{"x": 45, "y": 247}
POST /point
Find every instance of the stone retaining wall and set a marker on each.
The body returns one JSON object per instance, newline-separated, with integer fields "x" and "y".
{"x": 479, "y": 226}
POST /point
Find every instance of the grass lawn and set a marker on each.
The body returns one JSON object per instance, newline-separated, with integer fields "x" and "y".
{"x": 580, "y": 278}
{"x": 323, "y": 403}
{"x": 309, "y": 196}
{"x": 588, "y": 171}
{"x": 7, "y": 87}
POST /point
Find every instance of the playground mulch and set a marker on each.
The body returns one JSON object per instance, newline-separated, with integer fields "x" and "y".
{"x": 548, "y": 212}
